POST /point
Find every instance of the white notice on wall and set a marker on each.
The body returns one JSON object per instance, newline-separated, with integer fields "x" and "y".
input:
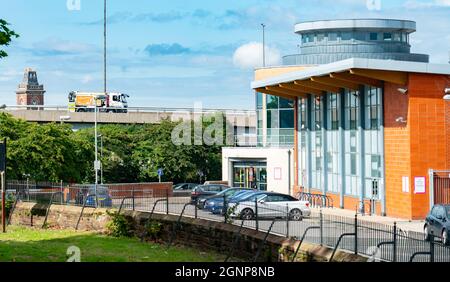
{"x": 277, "y": 173}
{"x": 405, "y": 184}
{"x": 419, "y": 185}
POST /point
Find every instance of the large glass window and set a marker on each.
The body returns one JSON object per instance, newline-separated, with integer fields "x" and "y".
{"x": 302, "y": 122}
{"x": 352, "y": 169}
{"x": 280, "y": 121}
{"x": 372, "y": 137}
{"x": 316, "y": 139}
{"x": 332, "y": 126}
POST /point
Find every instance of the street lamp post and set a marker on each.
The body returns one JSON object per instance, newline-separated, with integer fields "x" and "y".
{"x": 264, "y": 43}
{"x": 96, "y": 163}
{"x": 101, "y": 158}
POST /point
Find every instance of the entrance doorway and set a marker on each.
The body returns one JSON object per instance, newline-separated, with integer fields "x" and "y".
{"x": 250, "y": 175}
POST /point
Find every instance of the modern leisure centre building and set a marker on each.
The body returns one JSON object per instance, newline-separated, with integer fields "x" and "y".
{"x": 355, "y": 116}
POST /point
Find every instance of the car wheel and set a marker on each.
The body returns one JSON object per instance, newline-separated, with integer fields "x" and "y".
{"x": 296, "y": 215}
{"x": 426, "y": 232}
{"x": 445, "y": 239}
{"x": 247, "y": 214}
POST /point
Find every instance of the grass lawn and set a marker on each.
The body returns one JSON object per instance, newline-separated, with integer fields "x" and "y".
{"x": 24, "y": 244}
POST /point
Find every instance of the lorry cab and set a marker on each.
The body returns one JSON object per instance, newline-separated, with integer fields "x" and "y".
{"x": 117, "y": 102}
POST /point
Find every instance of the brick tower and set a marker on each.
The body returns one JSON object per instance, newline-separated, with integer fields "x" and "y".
{"x": 29, "y": 92}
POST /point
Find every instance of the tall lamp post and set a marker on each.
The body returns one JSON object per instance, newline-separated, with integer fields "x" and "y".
{"x": 101, "y": 158}
{"x": 264, "y": 43}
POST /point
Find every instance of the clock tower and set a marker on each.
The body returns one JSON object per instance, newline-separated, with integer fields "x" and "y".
{"x": 30, "y": 92}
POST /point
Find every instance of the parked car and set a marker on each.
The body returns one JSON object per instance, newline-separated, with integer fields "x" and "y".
{"x": 216, "y": 202}
{"x": 270, "y": 205}
{"x": 103, "y": 196}
{"x": 236, "y": 198}
{"x": 184, "y": 186}
{"x": 202, "y": 191}
{"x": 437, "y": 224}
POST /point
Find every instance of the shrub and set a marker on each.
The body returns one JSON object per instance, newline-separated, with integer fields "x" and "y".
{"x": 153, "y": 229}
{"x": 119, "y": 225}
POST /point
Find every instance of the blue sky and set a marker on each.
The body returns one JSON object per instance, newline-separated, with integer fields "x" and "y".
{"x": 175, "y": 53}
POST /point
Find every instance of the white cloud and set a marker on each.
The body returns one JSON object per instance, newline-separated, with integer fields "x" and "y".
{"x": 86, "y": 79}
{"x": 250, "y": 55}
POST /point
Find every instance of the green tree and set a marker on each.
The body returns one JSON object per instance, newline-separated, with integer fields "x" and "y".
{"x": 6, "y": 36}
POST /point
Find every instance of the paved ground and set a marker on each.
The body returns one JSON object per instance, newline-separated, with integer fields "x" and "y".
{"x": 404, "y": 224}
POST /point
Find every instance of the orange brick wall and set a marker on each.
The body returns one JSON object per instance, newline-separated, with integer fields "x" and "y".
{"x": 397, "y": 151}
{"x": 427, "y": 122}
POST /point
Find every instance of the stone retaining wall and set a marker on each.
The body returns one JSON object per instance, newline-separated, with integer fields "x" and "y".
{"x": 197, "y": 233}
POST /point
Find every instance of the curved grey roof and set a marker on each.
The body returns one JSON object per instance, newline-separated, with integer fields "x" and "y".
{"x": 364, "y": 24}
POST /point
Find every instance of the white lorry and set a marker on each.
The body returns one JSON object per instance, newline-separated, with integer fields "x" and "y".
{"x": 87, "y": 101}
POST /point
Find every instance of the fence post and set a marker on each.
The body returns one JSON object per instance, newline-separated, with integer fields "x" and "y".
{"x": 225, "y": 207}
{"x": 62, "y": 193}
{"x": 167, "y": 201}
{"x": 321, "y": 227}
{"x": 132, "y": 195}
{"x": 287, "y": 220}
{"x": 196, "y": 211}
{"x": 256, "y": 214}
{"x": 356, "y": 234}
{"x": 395, "y": 243}
{"x": 431, "y": 187}
{"x": 432, "y": 249}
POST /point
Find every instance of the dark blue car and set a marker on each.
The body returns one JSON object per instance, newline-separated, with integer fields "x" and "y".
{"x": 103, "y": 196}
{"x": 215, "y": 204}
{"x": 437, "y": 224}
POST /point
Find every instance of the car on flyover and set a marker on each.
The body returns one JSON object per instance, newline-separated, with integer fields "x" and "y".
{"x": 269, "y": 205}
{"x": 437, "y": 224}
{"x": 202, "y": 191}
{"x": 216, "y": 202}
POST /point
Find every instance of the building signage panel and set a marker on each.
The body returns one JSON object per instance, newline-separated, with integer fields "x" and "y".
{"x": 419, "y": 185}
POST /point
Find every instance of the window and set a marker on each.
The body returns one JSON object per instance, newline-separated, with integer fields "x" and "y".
{"x": 397, "y": 37}
{"x": 272, "y": 102}
{"x": 373, "y": 36}
{"x": 387, "y": 36}
{"x": 259, "y": 100}
{"x": 332, "y": 36}
{"x": 286, "y": 103}
{"x": 346, "y": 36}
{"x": 286, "y": 118}
{"x": 115, "y": 99}
{"x": 320, "y": 37}
{"x": 361, "y": 36}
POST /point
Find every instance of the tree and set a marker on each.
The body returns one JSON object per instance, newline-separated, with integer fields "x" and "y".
{"x": 6, "y": 36}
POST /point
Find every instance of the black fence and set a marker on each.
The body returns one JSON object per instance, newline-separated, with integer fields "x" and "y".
{"x": 379, "y": 242}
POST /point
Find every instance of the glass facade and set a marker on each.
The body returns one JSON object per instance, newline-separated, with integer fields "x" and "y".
{"x": 340, "y": 141}
{"x": 280, "y": 121}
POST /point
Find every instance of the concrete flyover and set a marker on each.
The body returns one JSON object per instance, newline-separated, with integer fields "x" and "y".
{"x": 242, "y": 120}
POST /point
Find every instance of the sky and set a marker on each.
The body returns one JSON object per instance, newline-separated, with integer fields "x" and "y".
{"x": 175, "y": 53}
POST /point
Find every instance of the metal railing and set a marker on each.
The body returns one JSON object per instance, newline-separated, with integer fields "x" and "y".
{"x": 135, "y": 109}
{"x": 378, "y": 242}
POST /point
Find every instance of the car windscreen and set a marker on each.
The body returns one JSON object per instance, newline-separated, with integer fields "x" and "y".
{"x": 242, "y": 194}
{"x": 100, "y": 191}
